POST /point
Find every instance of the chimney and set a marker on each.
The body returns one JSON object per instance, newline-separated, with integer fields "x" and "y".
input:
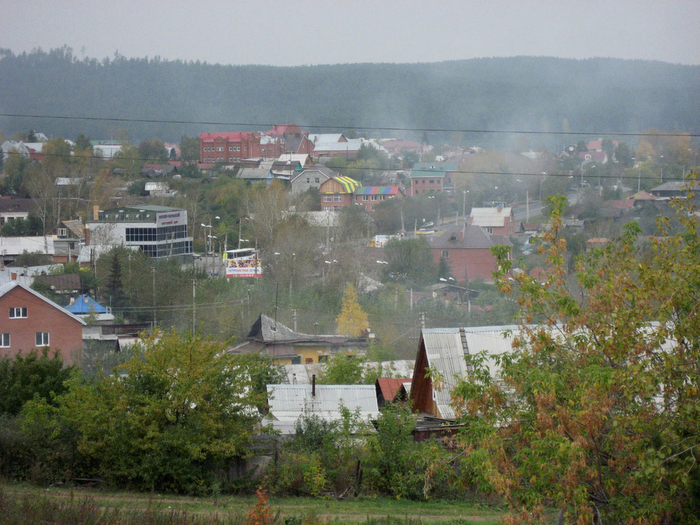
{"x": 95, "y": 213}
{"x": 313, "y": 385}
{"x": 86, "y": 231}
{"x": 13, "y": 276}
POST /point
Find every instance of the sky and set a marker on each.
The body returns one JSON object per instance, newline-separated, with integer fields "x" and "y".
{"x": 306, "y": 32}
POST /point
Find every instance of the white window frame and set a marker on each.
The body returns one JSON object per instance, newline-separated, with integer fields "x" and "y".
{"x": 18, "y": 312}
{"x": 337, "y": 198}
{"x": 45, "y": 339}
{"x": 4, "y": 340}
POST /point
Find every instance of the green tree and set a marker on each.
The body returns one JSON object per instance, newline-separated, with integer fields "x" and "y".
{"x": 82, "y": 143}
{"x": 189, "y": 148}
{"x": 152, "y": 151}
{"x": 176, "y": 412}
{"x": 35, "y": 374}
{"x": 410, "y": 262}
{"x": 343, "y": 370}
{"x": 597, "y": 409}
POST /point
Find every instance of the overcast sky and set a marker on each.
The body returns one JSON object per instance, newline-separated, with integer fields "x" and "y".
{"x": 297, "y": 32}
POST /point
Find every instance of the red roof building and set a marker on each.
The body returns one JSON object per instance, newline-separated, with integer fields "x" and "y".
{"x": 233, "y": 147}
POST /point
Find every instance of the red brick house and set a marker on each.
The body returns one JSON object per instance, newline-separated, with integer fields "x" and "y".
{"x": 370, "y": 196}
{"x": 337, "y": 192}
{"x": 467, "y": 251}
{"x": 29, "y": 321}
{"x": 496, "y": 221}
{"x": 432, "y": 177}
{"x": 234, "y": 147}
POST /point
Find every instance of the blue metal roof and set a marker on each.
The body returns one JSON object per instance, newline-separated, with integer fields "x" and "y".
{"x": 84, "y": 304}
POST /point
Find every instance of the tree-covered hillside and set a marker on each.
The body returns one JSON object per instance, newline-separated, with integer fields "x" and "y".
{"x": 521, "y": 93}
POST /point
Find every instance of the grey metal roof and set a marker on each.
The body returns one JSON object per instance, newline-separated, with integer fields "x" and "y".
{"x": 474, "y": 237}
{"x": 446, "y": 350}
{"x": 290, "y": 402}
{"x": 301, "y": 374}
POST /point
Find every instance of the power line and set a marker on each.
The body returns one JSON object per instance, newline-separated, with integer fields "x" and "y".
{"x": 359, "y": 128}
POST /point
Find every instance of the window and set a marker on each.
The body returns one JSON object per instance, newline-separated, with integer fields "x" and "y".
{"x": 365, "y": 197}
{"x": 323, "y": 359}
{"x": 42, "y": 339}
{"x": 327, "y": 198}
{"x": 309, "y": 360}
{"x": 445, "y": 254}
{"x": 4, "y": 340}
{"x": 489, "y": 230}
{"x": 230, "y": 148}
{"x": 220, "y": 148}
{"x": 337, "y": 198}
{"x": 62, "y": 232}
{"x": 18, "y": 312}
{"x": 308, "y": 180}
{"x": 431, "y": 181}
{"x": 374, "y": 197}
{"x": 318, "y": 180}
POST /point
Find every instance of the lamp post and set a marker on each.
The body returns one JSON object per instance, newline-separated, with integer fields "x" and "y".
{"x": 464, "y": 203}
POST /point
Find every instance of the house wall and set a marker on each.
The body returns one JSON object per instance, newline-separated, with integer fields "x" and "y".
{"x": 468, "y": 264}
{"x": 422, "y": 386}
{"x": 300, "y": 184}
{"x": 228, "y": 149}
{"x": 422, "y": 184}
{"x": 65, "y": 333}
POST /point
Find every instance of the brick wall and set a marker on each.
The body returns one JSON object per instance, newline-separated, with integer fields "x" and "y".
{"x": 65, "y": 333}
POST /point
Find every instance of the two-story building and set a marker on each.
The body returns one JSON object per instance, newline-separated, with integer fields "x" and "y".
{"x": 311, "y": 177}
{"x": 337, "y": 192}
{"x": 370, "y": 196}
{"x": 499, "y": 220}
{"x": 158, "y": 231}
{"x": 432, "y": 176}
{"x": 467, "y": 252}
{"x": 29, "y": 321}
{"x": 229, "y": 148}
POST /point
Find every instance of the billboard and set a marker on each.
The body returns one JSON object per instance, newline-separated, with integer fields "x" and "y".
{"x": 242, "y": 263}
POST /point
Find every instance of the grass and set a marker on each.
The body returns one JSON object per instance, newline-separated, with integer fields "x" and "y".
{"x": 29, "y": 504}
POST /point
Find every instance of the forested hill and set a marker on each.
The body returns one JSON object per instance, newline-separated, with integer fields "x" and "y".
{"x": 523, "y": 93}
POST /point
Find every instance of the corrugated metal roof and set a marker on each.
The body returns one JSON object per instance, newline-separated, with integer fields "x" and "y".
{"x": 289, "y": 402}
{"x": 489, "y": 217}
{"x": 377, "y": 190}
{"x": 445, "y": 356}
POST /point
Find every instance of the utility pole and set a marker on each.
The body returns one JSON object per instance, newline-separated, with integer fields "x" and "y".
{"x": 422, "y": 320}
{"x": 155, "y": 314}
{"x": 194, "y": 307}
{"x": 294, "y": 318}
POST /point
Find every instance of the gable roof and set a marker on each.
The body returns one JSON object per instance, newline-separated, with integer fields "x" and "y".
{"x": 445, "y": 351}
{"x": 317, "y": 168}
{"x": 75, "y": 226}
{"x": 474, "y": 237}
{"x": 348, "y": 184}
{"x": 8, "y": 287}
{"x": 390, "y": 386}
{"x": 490, "y": 217}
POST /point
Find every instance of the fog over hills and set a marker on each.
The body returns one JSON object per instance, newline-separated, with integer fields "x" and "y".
{"x": 519, "y": 93}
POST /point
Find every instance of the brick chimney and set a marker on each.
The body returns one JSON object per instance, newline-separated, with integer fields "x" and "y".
{"x": 86, "y": 231}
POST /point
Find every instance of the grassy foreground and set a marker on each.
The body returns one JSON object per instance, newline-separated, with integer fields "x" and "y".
{"x": 28, "y": 504}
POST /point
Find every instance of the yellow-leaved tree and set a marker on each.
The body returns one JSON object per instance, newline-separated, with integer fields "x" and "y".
{"x": 352, "y": 320}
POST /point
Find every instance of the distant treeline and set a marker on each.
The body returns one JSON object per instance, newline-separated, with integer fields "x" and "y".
{"x": 520, "y": 93}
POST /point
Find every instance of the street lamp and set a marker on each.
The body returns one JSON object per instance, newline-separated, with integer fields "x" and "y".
{"x": 464, "y": 203}
{"x": 206, "y": 245}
